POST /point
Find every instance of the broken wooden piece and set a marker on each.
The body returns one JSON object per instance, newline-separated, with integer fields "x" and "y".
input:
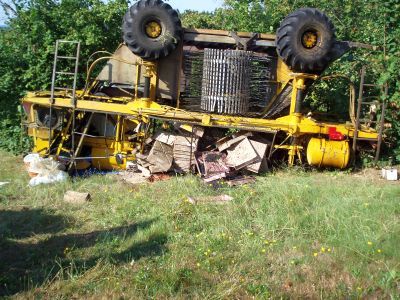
{"x": 229, "y": 142}
{"x": 261, "y": 149}
{"x": 165, "y": 138}
{"x": 214, "y": 162}
{"x": 214, "y": 166}
{"x": 196, "y": 130}
{"x": 76, "y": 197}
{"x": 184, "y": 149}
{"x": 160, "y": 157}
{"x": 241, "y": 155}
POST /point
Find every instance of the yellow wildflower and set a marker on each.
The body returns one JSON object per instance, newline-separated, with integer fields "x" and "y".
{"x": 369, "y": 243}
{"x": 315, "y": 254}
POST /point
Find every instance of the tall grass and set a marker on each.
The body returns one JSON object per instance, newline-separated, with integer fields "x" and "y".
{"x": 291, "y": 234}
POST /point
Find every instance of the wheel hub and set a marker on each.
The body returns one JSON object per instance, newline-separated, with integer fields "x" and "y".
{"x": 309, "y": 39}
{"x": 153, "y": 29}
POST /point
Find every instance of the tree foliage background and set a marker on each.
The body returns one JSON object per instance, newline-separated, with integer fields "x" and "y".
{"x": 27, "y": 45}
{"x": 27, "y": 48}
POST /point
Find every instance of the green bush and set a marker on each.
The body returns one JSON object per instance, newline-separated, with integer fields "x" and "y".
{"x": 27, "y": 49}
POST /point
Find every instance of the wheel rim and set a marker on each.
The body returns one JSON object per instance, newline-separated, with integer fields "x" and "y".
{"x": 153, "y": 29}
{"x": 309, "y": 39}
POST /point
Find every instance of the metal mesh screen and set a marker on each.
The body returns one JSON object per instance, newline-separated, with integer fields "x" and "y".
{"x": 226, "y": 81}
{"x": 262, "y": 80}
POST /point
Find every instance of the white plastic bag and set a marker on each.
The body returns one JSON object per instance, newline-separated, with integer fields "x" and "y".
{"x": 47, "y": 170}
{"x": 46, "y": 179}
{"x": 31, "y": 157}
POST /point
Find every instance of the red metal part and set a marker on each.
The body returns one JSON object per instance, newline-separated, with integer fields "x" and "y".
{"x": 334, "y": 135}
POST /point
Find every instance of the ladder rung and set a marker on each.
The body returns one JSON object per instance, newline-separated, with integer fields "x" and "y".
{"x": 366, "y": 120}
{"x": 63, "y": 89}
{"x": 65, "y": 73}
{"x": 67, "y": 57}
{"x": 373, "y": 85}
{"x": 370, "y": 103}
{"x": 71, "y": 42}
{"x": 88, "y": 135}
{"x": 365, "y": 139}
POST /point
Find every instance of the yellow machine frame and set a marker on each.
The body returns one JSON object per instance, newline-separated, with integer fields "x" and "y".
{"x": 142, "y": 110}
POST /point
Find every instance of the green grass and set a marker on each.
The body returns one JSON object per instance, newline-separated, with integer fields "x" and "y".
{"x": 292, "y": 234}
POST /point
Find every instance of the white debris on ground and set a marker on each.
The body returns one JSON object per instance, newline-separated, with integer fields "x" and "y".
{"x": 44, "y": 170}
{"x": 390, "y": 174}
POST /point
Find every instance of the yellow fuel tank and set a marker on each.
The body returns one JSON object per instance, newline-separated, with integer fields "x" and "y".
{"x": 325, "y": 153}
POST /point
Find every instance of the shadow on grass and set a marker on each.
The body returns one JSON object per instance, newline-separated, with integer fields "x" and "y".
{"x": 25, "y": 264}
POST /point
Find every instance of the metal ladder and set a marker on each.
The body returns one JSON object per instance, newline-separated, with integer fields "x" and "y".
{"x": 380, "y": 102}
{"x": 74, "y": 58}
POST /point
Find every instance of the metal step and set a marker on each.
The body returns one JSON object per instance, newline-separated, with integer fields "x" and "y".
{"x": 65, "y": 73}
{"x": 74, "y": 64}
{"x": 367, "y": 121}
{"x": 62, "y": 89}
{"x": 66, "y": 57}
{"x": 68, "y": 42}
{"x": 373, "y": 85}
{"x": 382, "y": 105}
{"x": 369, "y": 103}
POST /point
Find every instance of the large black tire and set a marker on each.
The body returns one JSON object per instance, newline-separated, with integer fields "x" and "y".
{"x": 306, "y": 40}
{"x": 136, "y": 25}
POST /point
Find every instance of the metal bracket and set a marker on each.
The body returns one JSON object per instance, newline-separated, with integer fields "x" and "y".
{"x": 243, "y": 43}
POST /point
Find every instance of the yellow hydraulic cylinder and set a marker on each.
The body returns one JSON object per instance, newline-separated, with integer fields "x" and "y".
{"x": 325, "y": 153}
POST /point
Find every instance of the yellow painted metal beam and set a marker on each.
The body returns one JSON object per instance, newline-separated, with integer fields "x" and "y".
{"x": 293, "y": 124}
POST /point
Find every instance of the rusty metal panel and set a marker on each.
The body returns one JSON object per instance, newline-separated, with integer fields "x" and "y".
{"x": 122, "y": 73}
{"x": 119, "y": 72}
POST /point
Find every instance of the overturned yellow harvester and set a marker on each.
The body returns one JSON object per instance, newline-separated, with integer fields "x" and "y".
{"x": 202, "y": 78}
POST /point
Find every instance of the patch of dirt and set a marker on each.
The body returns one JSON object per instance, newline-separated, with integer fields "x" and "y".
{"x": 373, "y": 174}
